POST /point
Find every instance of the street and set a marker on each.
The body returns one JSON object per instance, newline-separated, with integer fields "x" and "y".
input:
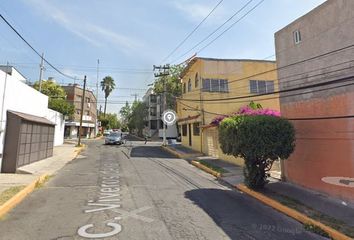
{"x": 138, "y": 191}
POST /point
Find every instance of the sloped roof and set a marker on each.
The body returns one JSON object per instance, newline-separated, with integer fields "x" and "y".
{"x": 32, "y": 118}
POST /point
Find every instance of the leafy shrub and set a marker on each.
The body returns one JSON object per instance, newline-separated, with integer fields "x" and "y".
{"x": 259, "y": 140}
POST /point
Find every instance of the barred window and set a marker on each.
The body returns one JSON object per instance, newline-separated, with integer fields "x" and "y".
{"x": 261, "y": 86}
{"x": 215, "y": 85}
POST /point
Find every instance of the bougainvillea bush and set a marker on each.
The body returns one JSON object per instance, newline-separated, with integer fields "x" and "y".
{"x": 259, "y": 136}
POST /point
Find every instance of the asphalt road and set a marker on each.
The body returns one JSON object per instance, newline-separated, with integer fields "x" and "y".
{"x": 140, "y": 192}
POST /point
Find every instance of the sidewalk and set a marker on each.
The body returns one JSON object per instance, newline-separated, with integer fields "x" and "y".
{"x": 29, "y": 173}
{"x": 330, "y": 211}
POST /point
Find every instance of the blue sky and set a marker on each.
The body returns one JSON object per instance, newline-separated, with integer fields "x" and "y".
{"x": 130, "y": 36}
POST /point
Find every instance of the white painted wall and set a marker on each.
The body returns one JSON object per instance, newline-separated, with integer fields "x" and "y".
{"x": 18, "y": 96}
{"x": 59, "y": 121}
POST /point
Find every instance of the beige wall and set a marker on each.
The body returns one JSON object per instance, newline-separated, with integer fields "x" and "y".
{"x": 238, "y": 73}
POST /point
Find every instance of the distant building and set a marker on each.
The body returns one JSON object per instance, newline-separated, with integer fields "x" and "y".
{"x": 210, "y": 78}
{"x": 318, "y": 48}
{"x": 153, "y": 122}
{"x": 74, "y": 95}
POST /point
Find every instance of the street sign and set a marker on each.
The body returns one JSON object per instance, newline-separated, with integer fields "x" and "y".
{"x": 169, "y": 117}
{"x": 339, "y": 181}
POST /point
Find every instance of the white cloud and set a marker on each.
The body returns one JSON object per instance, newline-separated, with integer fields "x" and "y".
{"x": 91, "y": 33}
{"x": 198, "y": 11}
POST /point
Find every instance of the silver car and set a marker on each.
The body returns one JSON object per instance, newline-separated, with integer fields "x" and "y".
{"x": 114, "y": 138}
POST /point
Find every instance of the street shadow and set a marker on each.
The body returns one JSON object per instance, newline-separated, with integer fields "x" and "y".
{"x": 150, "y": 152}
{"x": 242, "y": 217}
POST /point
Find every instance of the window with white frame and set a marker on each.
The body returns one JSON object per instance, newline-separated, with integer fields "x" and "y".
{"x": 297, "y": 36}
{"x": 261, "y": 86}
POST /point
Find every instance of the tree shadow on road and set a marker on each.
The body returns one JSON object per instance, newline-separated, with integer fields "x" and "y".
{"x": 150, "y": 152}
{"x": 241, "y": 217}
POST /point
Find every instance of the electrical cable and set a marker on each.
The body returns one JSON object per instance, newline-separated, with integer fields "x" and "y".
{"x": 193, "y": 31}
{"x": 212, "y": 33}
{"x": 28, "y": 44}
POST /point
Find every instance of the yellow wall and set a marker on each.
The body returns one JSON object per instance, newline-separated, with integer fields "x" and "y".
{"x": 238, "y": 73}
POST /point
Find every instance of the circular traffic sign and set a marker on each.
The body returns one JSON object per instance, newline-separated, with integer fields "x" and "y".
{"x": 169, "y": 117}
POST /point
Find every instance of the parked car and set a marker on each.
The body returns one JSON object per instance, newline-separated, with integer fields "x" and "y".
{"x": 106, "y": 132}
{"x": 113, "y": 138}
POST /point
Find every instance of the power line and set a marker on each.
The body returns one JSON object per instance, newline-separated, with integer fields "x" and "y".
{"x": 340, "y": 80}
{"x": 284, "y": 96}
{"x": 190, "y": 34}
{"x": 213, "y": 32}
{"x": 227, "y": 29}
{"x": 28, "y": 44}
{"x": 289, "y": 65}
{"x": 291, "y": 119}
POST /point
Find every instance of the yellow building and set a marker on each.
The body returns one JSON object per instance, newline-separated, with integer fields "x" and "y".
{"x": 204, "y": 79}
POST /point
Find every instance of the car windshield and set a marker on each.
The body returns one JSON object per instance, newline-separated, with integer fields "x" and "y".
{"x": 114, "y": 135}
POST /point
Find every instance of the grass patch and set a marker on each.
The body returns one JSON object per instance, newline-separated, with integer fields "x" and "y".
{"x": 9, "y": 193}
{"x": 314, "y": 214}
{"x": 213, "y": 167}
{"x": 317, "y": 230}
{"x": 43, "y": 182}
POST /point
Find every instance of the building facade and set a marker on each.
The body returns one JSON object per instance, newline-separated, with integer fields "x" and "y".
{"x": 32, "y": 129}
{"x": 204, "y": 79}
{"x": 89, "y": 120}
{"x": 153, "y": 122}
{"x": 317, "y": 50}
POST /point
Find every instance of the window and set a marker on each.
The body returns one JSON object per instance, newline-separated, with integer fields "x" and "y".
{"x": 153, "y": 99}
{"x": 196, "y": 81}
{"x": 78, "y": 111}
{"x": 79, "y": 98}
{"x": 184, "y": 87}
{"x": 153, "y": 124}
{"x": 261, "y": 86}
{"x": 196, "y": 129}
{"x": 87, "y": 113}
{"x": 153, "y": 112}
{"x": 88, "y": 100}
{"x": 297, "y": 36}
{"x": 184, "y": 130}
{"x": 189, "y": 85}
{"x": 215, "y": 85}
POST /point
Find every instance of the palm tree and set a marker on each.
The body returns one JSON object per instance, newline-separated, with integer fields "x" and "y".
{"x": 107, "y": 85}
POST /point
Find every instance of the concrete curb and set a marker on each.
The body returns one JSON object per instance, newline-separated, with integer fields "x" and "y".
{"x": 179, "y": 155}
{"x": 21, "y": 195}
{"x": 292, "y": 213}
{"x": 206, "y": 169}
{"x": 79, "y": 150}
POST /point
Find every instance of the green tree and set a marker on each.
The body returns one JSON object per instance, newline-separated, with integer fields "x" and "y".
{"x": 110, "y": 121}
{"x": 125, "y": 113}
{"x": 259, "y": 140}
{"x": 56, "y": 97}
{"x": 107, "y": 85}
{"x": 173, "y": 85}
{"x": 136, "y": 121}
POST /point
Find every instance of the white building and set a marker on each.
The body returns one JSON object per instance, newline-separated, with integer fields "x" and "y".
{"x": 153, "y": 122}
{"x": 16, "y": 96}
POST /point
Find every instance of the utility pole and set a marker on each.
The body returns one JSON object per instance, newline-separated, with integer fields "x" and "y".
{"x": 41, "y": 68}
{"x": 136, "y": 96}
{"x": 98, "y": 69}
{"x": 163, "y": 71}
{"x": 82, "y": 112}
